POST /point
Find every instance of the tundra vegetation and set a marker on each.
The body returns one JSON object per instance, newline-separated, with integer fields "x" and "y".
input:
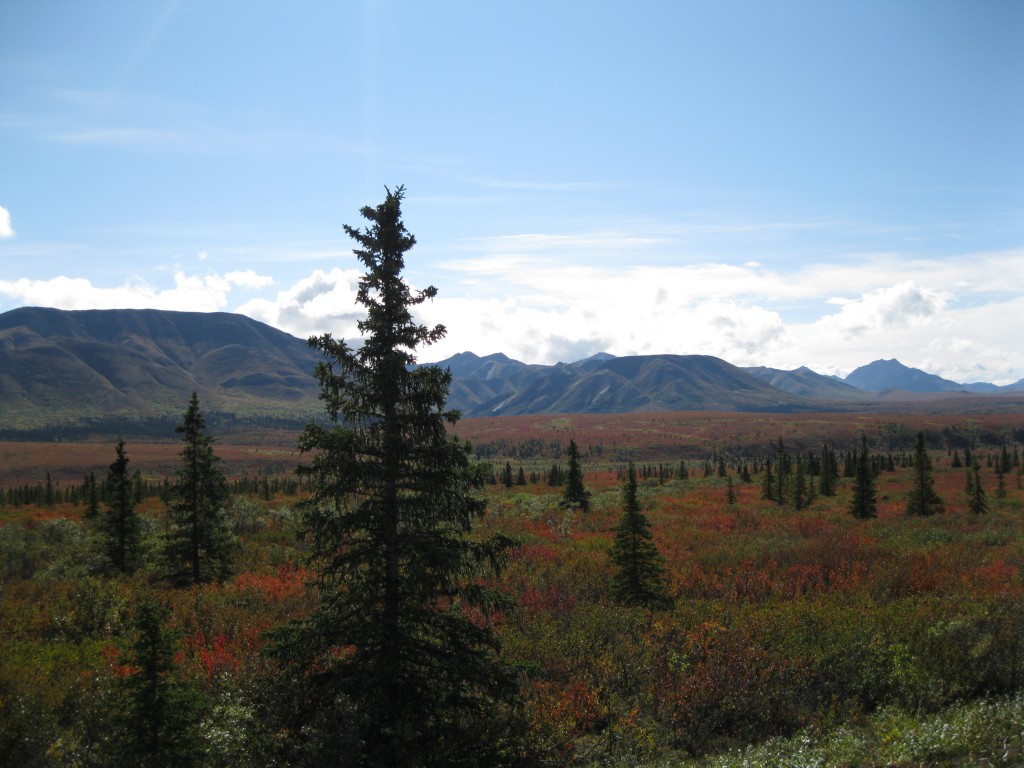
{"x": 692, "y": 589}
{"x": 812, "y": 633}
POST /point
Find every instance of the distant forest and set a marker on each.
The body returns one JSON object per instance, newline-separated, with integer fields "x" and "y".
{"x": 155, "y": 429}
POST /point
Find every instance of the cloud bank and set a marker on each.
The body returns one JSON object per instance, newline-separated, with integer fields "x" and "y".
{"x": 190, "y": 293}
{"x": 956, "y": 318}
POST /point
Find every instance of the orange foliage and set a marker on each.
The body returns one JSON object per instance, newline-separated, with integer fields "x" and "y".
{"x": 288, "y": 581}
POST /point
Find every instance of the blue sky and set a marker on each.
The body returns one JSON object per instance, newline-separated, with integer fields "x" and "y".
{"x": 782, "y": 184}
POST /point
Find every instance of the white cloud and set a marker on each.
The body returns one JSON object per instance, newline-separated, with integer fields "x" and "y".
{"x": 891, "y": 309}
{"x": 5, "y": 224}
{"x": 249, "y": 279}
{"x": 960, "y": 343}
{"x": 322, "y": 302}
{"x": 195, "y": 293}
{"x": 606, "y": 315}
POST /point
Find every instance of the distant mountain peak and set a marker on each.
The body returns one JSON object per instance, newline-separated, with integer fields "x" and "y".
{"x": 886, "y": 375}
{"x": 598, "y": 357}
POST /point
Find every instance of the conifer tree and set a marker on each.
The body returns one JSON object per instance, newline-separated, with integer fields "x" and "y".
{"x": 829, "y": 474}
{"x": 1000, "y": 482}
{"x": 799, "y": 484}
{"x": 397, "y": 666}
{"x": 783, "y": 465}
{"x": 555, "y": 476}
{"x": 768, "y": 482}
{"x": 977, "y": 499}
{"x": 200, "y": 545}
{"x": 863, "y": 505}
{"x": 923, "y": 500}
{"x": 639, "y": 577}
{"x": 576, "y": 495}
{"x": 92, "y": 499}
{"x": 120, "y": 527}
{"x": 159, "y": 714}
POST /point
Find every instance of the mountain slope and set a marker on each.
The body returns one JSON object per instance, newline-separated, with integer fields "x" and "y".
{"x": 147, "y": 362}
{"x": 883, "y": 375}
{"x": 612, "y": 385}
{"x": 806, "y": 383}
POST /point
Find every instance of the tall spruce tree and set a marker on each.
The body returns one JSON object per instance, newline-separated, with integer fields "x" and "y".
{"x": 200, "y": 545}
{"x": 120, "y": 528}
{"x": 864, "y": 503}
{"x": 767, "y": 482}
{"x": 800, "y": 499}
{"x": 576, "y": 495}
{"x": 1000, "y": 481}
{"x": 639, "y": 577}
{"x": 977, "y": 500}
{"x": 922, "y": 499}
{"x": 397, "y": 665}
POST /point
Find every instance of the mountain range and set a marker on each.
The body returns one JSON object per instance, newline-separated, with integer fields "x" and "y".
{"x": 66, "y": 366}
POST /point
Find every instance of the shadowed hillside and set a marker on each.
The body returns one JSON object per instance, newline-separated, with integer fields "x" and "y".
{"x": 57, "y": 364}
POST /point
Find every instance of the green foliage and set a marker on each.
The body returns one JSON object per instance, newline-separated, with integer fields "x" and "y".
{"x": 923, "y": 500}
{"x": 977, "y": 498}
{"x": 639, "y": 578}
{"x": 120, "y": 528}
{"x": 576, "y": 495}
{"x": 397, "y": 666}
{"x": 199, "y": 546}
{"x": 864, "y": 503}
{"x": 159, "y": 714}
{"x": 829, "y": 474}
{"x": 986, "y": 732}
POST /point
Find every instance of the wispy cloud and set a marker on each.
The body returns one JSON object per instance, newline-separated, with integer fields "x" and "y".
{"x": 123, "y": 137}
{"x": 125, "y": 118}
{"x": 248, "y": 279}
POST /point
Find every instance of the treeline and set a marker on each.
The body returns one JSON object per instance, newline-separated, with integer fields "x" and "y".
{"x": 151, "y": 428}
{"x": 92, "y": 492}
{"x": 530, "y": 448}
{"x": 896, "y": 440}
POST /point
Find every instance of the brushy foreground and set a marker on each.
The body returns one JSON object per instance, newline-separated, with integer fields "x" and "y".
{"x": 816, "y": 638}
{"x": 989, "y": 732}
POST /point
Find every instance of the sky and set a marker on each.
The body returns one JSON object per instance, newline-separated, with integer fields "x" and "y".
{"x": 781, "y": 184}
